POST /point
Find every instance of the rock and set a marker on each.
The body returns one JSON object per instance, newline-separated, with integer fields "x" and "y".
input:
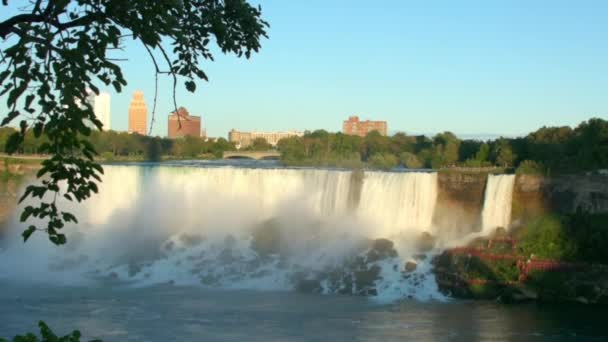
{"x": 267, "y": 238}
{"x": 365, "y": 279}
{"x": 135, "y": 268}
{"x": 500, "y": 231}
{"x": 169, "y": 245}
{"x": 529, "y": 293}
{"x": 191, "y": 240}
{"x": 425, "y": 242}
{"x": 371, "y": 292}
{"x": 419, "y": 256}
{"x": 381, "y": 249}
{"x": 603, "y": 299}
{"x": 515, "y": 296}
{"x": 308, "y": 286}
{"x": 226, "y": 256}
{"x": 410, "y": 266}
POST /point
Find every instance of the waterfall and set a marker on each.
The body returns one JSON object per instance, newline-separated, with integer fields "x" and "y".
{"x": 398, "y": 202}
{"x": 233, "y": 227}
{"x": 497, "y": 203}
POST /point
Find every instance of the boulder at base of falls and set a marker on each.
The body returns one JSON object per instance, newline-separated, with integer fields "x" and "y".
{"x": 267, "y": 238}
{"x": 308, "y": 286}
{"x": 356, "y": 276}
{"x": 410, "y": 266}
{"x": 381, "y": 249}
{"x": 425, "y": 242}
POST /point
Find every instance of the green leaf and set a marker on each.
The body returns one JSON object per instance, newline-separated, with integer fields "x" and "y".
{"x": 11, "y": 115}
{"x": 28, "y": 232}
{"x": 58, "y": 239}
{"x": 67, "y": 217}
{"x": 29, "y": 99}
{"x": 191, "y": 86}
{"x": 27, "y": 212}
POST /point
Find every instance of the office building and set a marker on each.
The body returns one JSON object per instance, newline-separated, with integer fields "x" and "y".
{"x": 244, "y": 139}
{"x": 138, "y": 114}
{"x": 353, "y": 126}
{"x": 182, "y": 124}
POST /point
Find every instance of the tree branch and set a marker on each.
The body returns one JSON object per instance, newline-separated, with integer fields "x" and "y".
{"x": 179, "y": 122}
{"x": 7, "y": 26}
{"x": 155, "y": 86}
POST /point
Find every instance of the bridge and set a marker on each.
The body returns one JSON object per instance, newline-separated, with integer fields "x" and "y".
{"x": 259, "y": 155}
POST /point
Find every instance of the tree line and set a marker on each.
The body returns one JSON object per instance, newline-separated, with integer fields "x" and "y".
{"x": 546, "y": 150}
{"x": 122, "y": 145}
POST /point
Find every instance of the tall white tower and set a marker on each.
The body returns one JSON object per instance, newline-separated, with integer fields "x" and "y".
{"x": 101, "y": 107}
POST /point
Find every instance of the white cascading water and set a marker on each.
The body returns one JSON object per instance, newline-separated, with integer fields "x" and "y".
{"x": 396, "y": 203}
{"x": 193, "y": 225}
{"x": 497, "y": 203}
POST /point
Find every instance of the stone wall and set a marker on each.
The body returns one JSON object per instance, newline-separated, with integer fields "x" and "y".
{"x": 459, "y": 201}
{"x": 535, "y": 195}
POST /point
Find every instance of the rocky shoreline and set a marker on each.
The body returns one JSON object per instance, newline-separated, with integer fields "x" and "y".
{"x": 483, "y": 273}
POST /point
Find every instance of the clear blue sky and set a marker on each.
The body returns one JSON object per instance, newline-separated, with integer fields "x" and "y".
{"x": 471, "y": 67}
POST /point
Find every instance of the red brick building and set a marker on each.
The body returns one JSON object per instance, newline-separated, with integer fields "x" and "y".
{"x": 353, "y": 126}
{"x": 190, "y": 125}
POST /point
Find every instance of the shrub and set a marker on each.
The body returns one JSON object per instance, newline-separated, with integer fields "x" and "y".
{"x": 383, "y": 161}
{"x": 107, "y": 156}
{"x": 530, "y": 167}
{"x": 410, "y": 160}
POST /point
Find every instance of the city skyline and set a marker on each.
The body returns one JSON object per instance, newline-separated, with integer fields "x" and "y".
{"x": 472, "y": 68}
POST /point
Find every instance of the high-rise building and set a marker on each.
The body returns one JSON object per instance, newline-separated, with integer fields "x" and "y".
{"x": 101, "y": 107}
{"x": 244, "y": 139}
{"x": 181, "y": 124}
{"x": 138, "y": 114}
{"x": 353, "y": 126}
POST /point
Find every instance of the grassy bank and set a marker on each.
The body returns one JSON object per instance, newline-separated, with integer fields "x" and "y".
{"x": 15, "y": 168}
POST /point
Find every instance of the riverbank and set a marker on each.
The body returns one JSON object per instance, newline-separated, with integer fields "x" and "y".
{"x": 551, "y": 259}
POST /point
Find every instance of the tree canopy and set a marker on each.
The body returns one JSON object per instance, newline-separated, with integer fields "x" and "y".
{"x": 548, "y": 149}
{"x": 53, "y": 51}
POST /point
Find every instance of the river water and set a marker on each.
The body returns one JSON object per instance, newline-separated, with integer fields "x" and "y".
{"x": 173, "y": 313}
{"x": 170, "y": 253}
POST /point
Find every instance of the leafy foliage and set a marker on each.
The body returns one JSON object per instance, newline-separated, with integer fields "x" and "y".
{"x": 547, "y": 150}
{"x": 530, "y": 167}
{"x": 47, "y": 335}
{"x": 54, "y": 52}
{"x": 410, "y": 160}
{"x": 576, "y": 237}
{"x": 384, "y": 161}
{"x": 259, "y": 144}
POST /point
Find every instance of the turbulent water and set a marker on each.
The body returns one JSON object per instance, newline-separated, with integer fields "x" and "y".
{"x": 249, "y": 228}
{"x": 497, "y": 203}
